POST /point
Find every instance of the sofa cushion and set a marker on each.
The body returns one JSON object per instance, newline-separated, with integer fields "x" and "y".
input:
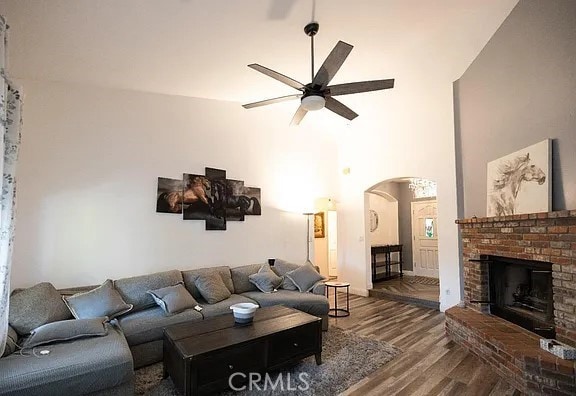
{"x": 240, "y": 277}
{"x": 36, "y": 306}
{"x": 191, "y": 275}
{"x": 305, "y": 302}
{"x": 282, "y": 267}
{"x": 101, "y": 301}
{"x": 147, "y": 325}
{"x": 66, "y": 330}
{"x": 304, "y": 277}
{"x": 173, "y": 299}
{"x": 134, "y": 290}
{"x": 87, "y": 365}
{"x": 265, "y": 279}
{"x": 212, "y": 287}
{"x": 11, "y": 341}
{"x": 223, "y": 307}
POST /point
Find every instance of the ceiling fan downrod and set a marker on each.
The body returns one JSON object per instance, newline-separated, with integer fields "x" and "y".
{"x": 311, "y": 29}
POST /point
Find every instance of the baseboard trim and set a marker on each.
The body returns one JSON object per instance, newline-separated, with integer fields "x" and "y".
{"x": 409, "y": 273}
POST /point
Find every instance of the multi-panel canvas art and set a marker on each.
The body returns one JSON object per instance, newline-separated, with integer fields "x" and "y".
{"x": 209, "y": 197}
{"x": 521, "y": 182}
{"x": 169, "y": 195}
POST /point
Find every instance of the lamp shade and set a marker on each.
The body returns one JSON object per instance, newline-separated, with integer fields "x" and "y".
{"x": 313, "y": 102}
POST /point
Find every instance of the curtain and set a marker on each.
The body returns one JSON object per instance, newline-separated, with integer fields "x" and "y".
{"x": 10, "y": 126}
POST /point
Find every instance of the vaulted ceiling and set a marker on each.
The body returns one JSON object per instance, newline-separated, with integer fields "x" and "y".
{"x": 201, "y": 48}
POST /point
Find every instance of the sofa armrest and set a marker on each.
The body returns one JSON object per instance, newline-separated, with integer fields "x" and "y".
{"x": 319, "y": 288}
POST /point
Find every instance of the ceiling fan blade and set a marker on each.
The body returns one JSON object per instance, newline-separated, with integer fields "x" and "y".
{"x": 300, "y": 113}
{"x": 271, "y": 101}
{"x": 339, "y": 108}
{"x": 357, "y": 87}
{"x": 332, "y": 64}
{"x": 277, "y": 76}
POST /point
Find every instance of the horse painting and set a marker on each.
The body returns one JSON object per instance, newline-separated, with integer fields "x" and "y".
{"x": 210, "y": 197}
{"x": 229, "y": 195}
{"x": 195, "y": 190}
{"x": 510, "y": 175}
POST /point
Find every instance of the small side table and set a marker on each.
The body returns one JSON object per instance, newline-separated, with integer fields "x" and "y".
{"x": 338, "y": 312}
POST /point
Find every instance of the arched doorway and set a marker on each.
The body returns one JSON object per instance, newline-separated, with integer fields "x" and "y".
{"x": 403, "y": 240}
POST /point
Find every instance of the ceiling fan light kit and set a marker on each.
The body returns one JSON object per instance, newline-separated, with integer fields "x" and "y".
{"x": 318, "y": 94}
{"x": 313, "y": 102}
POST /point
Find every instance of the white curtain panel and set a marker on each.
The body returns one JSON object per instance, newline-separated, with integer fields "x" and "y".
{"x": 10, "y": 127}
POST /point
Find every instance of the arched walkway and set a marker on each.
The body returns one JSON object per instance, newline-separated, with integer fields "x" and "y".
{"x": 402, "y": 214}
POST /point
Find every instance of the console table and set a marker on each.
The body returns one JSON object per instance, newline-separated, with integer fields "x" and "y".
{"x": 382, "y": 270}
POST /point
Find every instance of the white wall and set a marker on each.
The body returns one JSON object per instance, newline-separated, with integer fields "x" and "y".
{"x": 401, "y": 145}
{"x": 88, "y": 170}
{"x": 91, "y": 156}
{"x": 387, "y": 210}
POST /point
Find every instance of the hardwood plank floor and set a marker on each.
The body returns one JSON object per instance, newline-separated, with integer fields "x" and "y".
{"x": 420, "y": 287}
{"x": 430, "y": 363}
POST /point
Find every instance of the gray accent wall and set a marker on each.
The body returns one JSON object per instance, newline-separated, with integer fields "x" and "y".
{"x": 520, "y": 90}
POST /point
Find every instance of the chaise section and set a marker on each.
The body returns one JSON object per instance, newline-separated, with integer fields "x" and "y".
{"x": 96, "y": 365}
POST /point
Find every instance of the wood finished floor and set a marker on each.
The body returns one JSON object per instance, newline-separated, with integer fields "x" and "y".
{"x": 418, "y": 287}
{"x": 430, "y": 364}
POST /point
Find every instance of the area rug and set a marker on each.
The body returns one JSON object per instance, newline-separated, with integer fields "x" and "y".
{"x": 346, "y": 359}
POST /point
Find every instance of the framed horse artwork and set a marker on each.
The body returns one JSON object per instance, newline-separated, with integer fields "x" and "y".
{"x": 169, "y": 195}
{"x": 520, "y": 182}
{"x": 210, "y": 197}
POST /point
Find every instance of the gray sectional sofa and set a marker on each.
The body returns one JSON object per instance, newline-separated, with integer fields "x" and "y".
{"x": 104, "y": 365}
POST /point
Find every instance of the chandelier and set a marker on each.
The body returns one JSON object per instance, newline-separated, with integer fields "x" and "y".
{"x": 422, "y": 188}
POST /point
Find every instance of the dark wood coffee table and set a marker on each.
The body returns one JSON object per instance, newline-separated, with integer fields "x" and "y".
{"x": 201, "y": 356}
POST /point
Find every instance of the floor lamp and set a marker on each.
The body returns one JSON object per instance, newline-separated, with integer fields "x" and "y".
{"x": 308, "y": 214}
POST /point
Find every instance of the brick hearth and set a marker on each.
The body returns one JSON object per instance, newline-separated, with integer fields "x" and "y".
{"x": 511, "y": 350}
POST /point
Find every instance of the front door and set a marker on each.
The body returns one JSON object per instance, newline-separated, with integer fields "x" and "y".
{"x": 425, "y": 238}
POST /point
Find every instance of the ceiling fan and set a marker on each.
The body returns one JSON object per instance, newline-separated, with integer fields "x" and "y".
{"x": 318, "y": 94}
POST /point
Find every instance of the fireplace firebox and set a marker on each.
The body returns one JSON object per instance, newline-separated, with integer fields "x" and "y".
{"x": 521, "y": 292}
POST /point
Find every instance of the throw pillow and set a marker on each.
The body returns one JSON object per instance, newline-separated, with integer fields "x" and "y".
{"x": 134, "y": 289}
{"x": 11, "y": 342}
{"x": 282, "y": 267}
{"x": 35, "y": 306}
{"x": 212, "y": 287}
{"x": 173, "y": 299}
{"x": 265, "y": 279}
{"x": 66, "y": 330}
{"x": 102, "y": 301}
{"x": 240, "y": 277}
{"x": 190, "y": 276}
{"x": 305, "y": 277}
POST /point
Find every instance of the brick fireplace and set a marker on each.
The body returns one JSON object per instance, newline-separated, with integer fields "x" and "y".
{"x": 512, "y": 350}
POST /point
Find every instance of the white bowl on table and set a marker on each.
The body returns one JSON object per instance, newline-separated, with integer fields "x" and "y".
{"x": 244, "y": 312}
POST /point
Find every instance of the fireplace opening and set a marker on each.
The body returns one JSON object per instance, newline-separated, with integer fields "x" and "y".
{"x": 521, "y": 292}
